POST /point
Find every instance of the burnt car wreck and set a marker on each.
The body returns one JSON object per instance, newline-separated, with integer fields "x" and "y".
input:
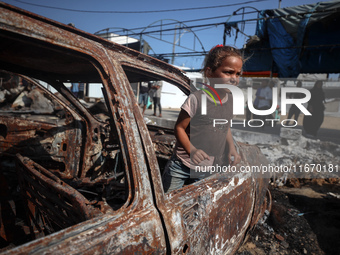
{"x": 75, "y": 180}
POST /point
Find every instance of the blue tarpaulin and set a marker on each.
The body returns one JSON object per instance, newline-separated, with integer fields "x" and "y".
{"x": 301, "y": 39}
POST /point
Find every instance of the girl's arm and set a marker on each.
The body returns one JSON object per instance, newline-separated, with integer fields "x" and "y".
{"x": 232, "y": 150}
{"x": 182, "y": 123}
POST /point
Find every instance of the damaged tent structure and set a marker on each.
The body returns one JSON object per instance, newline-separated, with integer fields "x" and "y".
{"x": 294, "y": 40}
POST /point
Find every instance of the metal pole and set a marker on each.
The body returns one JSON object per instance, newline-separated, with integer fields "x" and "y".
{"x": 140, "y": 44}
{"x": 173, "y": 48}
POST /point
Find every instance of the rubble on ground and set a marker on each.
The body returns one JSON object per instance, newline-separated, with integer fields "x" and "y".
{"x": 310, "y": 158}
{"x": 305, "y": 215}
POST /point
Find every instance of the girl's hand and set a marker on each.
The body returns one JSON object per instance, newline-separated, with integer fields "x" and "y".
{"x": 234, "y": 157}
{"x": 198, "y": 156}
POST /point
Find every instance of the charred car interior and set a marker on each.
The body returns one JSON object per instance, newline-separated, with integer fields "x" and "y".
{"x": 86, "y": 178}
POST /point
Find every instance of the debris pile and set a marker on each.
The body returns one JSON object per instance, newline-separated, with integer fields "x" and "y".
{"x": 302, "y": 151}
{"x": 305, "y": 215}
{"x": 286, "y": 231}
{"x": 17, "y": 93}
{"x": 303, "y": 157}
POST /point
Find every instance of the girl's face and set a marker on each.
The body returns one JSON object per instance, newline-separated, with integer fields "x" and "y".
{"x": 228, "y": 72}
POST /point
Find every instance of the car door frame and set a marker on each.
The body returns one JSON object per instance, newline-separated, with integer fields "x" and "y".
{"x": 137, "y": 225}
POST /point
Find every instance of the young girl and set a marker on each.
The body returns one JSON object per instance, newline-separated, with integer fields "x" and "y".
{"x": 223, "y": 65}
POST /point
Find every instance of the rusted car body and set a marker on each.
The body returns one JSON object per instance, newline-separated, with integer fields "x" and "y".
{"x": 76, "y": 182}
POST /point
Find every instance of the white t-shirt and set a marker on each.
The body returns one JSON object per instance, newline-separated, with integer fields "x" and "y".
{"x": 190, "y": 106}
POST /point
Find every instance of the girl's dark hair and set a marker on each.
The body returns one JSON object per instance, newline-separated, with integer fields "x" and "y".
{"x": 217, "y": 54}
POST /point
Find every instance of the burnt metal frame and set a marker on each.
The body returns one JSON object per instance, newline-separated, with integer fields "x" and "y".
{"x": 146, "y": 197}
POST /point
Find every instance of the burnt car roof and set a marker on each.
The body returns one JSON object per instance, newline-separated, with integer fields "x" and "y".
{"x": 104, "y": 175}
{"x": 59, "y": 63}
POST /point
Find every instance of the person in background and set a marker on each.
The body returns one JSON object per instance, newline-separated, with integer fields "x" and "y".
{"x": 223, "y": 65}
{"x": 294, "y": 110}
{"x": 312, "y": 123}
{"x": 248, "y": 112}
{"x": 157, "y": 90}
{"x": 75, "y": 89}
{"x": 265, "y": 99}
{"x": 144, "y": 88}
{"x": 81, "y": 90}
{"x": 256, "y": 102}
